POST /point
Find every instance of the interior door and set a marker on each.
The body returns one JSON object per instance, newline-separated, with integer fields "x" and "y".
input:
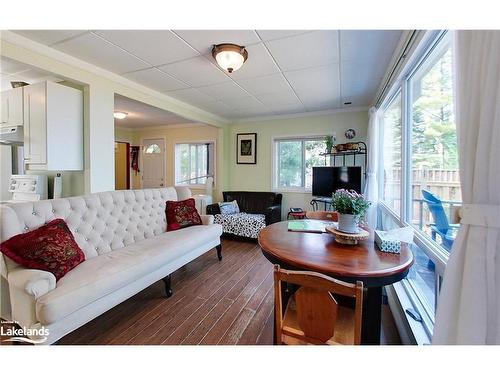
{"x": 153, "y": 163}
{"x": 122, "y": 166}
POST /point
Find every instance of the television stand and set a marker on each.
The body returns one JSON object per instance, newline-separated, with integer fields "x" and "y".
{"x": 327, "y": 201}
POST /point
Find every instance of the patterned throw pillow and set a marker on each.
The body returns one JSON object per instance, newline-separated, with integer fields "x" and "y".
{"x": 50, "y": 247}
{"x": 229, "y": 208}
{"x": 181, "y": 214}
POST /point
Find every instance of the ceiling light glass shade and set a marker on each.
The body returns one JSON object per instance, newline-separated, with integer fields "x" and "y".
{"x": 229, "y": 57}
{"x": 119, "y": 115}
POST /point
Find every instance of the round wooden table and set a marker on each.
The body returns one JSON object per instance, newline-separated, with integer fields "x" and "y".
{"x": 321, "y": 253}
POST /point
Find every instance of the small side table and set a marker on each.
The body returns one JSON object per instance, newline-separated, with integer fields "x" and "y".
{"x": 296, "y": 215}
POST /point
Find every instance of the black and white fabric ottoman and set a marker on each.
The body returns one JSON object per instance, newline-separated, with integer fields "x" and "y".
{"x": 242, "y": 224}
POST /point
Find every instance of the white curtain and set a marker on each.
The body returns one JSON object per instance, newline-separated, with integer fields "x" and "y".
{"x": 469, "y": 306}
{"x": 371, "y": 184}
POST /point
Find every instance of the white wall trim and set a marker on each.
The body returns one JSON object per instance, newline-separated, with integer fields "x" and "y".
{"x": 20, "y": 41}
{"x": 300, "y": 115}
{"x": 162, "y": 127}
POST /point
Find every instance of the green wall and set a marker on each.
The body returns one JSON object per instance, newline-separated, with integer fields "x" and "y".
{"x": 258, "y": 177}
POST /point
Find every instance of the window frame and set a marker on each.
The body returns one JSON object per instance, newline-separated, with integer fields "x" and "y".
{"x": 176, "y": 160}
{"x": 430, "y": 44}
{"x": 276, "y": 160}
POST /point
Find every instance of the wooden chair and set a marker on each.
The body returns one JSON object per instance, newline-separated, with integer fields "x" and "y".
{"x": 322, "y": 215}
{"x": 312, "y": 315}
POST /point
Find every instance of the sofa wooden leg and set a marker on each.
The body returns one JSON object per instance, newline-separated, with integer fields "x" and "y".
{"x": 219, "y": 251}
{"x": 168, "y": 290}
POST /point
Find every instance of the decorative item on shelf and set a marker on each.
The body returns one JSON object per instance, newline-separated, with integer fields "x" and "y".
{"x": 350, "y": 133}
{"x": 351, "y": 207}
{"x": 329, "y": 139}
{"x": 246, "y": 148}
{"x": 341, "y": 147}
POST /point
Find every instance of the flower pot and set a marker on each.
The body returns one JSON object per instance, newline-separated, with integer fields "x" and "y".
{"x": 348, "y": 223}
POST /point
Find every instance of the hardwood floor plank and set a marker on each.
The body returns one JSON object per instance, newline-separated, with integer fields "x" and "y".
{"x": 219, "y": 329}
{"x": 237, "y": 328}
{"x": 256, "y": 325}
{"x": 266, "y": 334}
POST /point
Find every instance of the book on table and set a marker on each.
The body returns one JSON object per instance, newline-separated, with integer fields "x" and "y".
{"x": 309, "y": 226}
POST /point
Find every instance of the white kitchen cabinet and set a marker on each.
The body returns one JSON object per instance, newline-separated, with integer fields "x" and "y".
{"x": 11, "y": 107}
{"x": 53, "y": 127}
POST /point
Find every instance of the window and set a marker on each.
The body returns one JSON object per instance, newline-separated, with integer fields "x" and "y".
{"x": 194, "y": 162}
{"x": 153, "y": 149}
{"x": 419, "y": 165}
{"x": 294, "y": 159}
{"x": 392, "y": 154}
{"x": 434, "y": 154}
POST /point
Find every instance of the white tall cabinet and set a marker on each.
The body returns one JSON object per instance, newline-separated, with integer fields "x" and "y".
{"x": 11, "y": 110}
{"x": 53, "y": 127}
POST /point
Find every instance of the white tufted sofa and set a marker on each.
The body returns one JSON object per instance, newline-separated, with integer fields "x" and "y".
{"x": 122, "y": 234}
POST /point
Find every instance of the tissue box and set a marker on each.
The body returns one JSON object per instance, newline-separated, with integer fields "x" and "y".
{"x": 385, "y": 244}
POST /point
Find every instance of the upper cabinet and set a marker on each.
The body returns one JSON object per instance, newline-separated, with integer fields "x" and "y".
{"x": 53, "y": 127}
{"x": 12, "y": 107}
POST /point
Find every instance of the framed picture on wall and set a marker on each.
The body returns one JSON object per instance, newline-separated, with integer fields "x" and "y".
{"x": 246, "y": 148}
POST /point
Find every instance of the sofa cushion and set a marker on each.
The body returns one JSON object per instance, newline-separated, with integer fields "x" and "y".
{"x": 182, "y": 214}
{"x": 102, "y": 275}
{"x": 50, "y": 247}
{"x": 242, "y": 224}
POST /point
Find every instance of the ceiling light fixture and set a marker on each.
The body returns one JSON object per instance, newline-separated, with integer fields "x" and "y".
{"x": 120, "y": 115}
{"x": 229, "y": 57}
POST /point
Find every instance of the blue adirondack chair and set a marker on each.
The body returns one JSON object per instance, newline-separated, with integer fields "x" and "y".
{"x": 441, "y": 226}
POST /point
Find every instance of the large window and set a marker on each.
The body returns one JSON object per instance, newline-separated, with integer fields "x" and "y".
{"x": 419, "y": 165}
{"x": 194, "y": 162}
{"x": 294, "y": 159}
{"x": 435, "y": 185}
{"x": 391, "y": 149}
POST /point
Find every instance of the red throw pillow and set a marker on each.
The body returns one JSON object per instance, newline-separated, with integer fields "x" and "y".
{"x": 181, "y": 214}
{"x": 51, "y": 248}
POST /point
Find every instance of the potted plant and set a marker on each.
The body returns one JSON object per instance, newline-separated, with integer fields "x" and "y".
{"x": 351, "y": 207}
{"x": 329, "y": 139}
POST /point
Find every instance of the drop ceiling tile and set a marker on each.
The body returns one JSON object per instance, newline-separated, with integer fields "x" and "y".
{"x": 358, "y": 79}
{"x": 203, "y": 40}
{"x": 219, "y": 108}
{"x": 95, "y": 50}
{"x": 226, "y": 90}
{"x": 266, "y": 35}
{"x": 246, "y": 102}
{"x": 259, "y": 63}
{"x": 287, "y": 108}
{"x": 317, "y": 88}
{"x": 286, "y": 97}
{"x": 196, "y": 72}
{"x": 155, "y": 79}
{"x": 369, "y": 46}
{"x": 265, "y": 84}
{"x": 157, "y": 47}
{"x": 305, "y": 50}
{"x": 254, "y": 112}
{"x": 49, "y": 37}
{"x": 191, "y": 96}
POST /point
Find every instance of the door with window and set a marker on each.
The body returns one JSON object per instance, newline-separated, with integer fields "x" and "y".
{"x": 153, "y": 163}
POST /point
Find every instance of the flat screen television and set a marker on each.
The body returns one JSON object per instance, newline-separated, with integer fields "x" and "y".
{"x": 326, "y": 180}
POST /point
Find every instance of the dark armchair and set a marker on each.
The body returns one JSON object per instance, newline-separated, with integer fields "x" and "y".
{"x": 253, "y": 202}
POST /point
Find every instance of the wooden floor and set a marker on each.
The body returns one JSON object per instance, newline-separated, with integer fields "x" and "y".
{"x": 227, "y": 302}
